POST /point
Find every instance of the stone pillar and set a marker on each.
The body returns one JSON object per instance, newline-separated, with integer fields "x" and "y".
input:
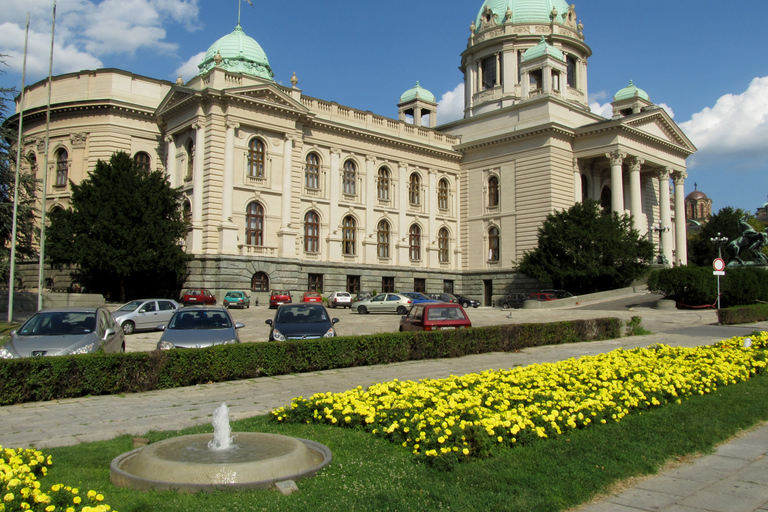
{"x": 498, "y": 69}
{"x": 430, "y": 198}
{"x": 227, "y": 228}
{"x": 401, "y": 242}
{"x": 617, "y": 181}
{"x": 578, "y": 193}
{"x": 285, "y": 235}
{"x": 469, "y": 82}
{"x": 368, "y": 225}
{"x": 334, "y": 227}
{"x": 635, "y": 196}
{"x": 509, "y": 58}
{"x": 170, "y": 161}
{"x": 416, "y": 115}
{"x": 665, "y": 213}
{"x": 681, "y": 250}
{"x": 197, "y": 189}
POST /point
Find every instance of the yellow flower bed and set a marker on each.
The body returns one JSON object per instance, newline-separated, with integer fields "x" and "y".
{"x": 471, "y": 415}
{"x": 21, "y": 472}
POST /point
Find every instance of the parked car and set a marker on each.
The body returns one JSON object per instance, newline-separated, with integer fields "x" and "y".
{"x": 279, "y": 297}
{"x": 340, "y": 300}
{"x": 199, "y": 327}
{"x": 384, "y": 303}
{"x": 443, "y": 297}
{"x": 513, "y": 300}
{"x": 541, "y": 296}
{"x": 467, "y": 302}
{"x": 417, "y": 297}
{"x": 197, "y": 296}
{"x": 237, "y": 299}
{"x": 145, "y": 314}
{"x": 301, "y": 322}
{"x": 311, "y": 297}
{"x": 435, "y": 316}
{"x": 363, "y": 296}
{"x": 65, "y": 331}
{"x": 560, "y": 294}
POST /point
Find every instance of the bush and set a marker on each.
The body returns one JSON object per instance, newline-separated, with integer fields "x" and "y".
{"x": 743, "y": 314}
{"x": 696, "y": 286}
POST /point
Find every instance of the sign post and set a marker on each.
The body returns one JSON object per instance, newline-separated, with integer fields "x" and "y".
{"x": 719, "y": 266}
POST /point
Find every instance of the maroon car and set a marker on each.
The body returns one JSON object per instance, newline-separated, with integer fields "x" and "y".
{"x": 198, "y": 296}
{"x": 279, "y": 297}
{"x": 435, "y": 316}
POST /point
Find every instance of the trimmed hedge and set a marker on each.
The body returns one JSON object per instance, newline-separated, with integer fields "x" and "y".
{"x": 50, "y": 378}
{"x": 696, "y": 286}
{"x": 743, "y": 314}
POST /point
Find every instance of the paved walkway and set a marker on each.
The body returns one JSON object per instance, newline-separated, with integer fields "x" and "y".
{"x": 734, "y": 479}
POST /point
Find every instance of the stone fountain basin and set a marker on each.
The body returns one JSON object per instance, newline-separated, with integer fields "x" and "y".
{"x": 186, "y": 464}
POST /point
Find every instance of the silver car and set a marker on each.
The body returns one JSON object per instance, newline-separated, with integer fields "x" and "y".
{"x": 145, "y": 314}
{"x": 384, "y": 303}
{"x": 199, "y": 327}
{"x": 65, "y": 331}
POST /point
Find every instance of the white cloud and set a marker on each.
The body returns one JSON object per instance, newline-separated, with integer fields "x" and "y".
{"x": 668, "y": 109}
{"x": 450, "y": 107}
{"x": 189, "y": 69}
{"x": 601, "y": 109}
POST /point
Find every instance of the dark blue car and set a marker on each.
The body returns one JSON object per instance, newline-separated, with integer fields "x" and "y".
{"x": 301, "y": 321}
{"x": 418, "y": 298}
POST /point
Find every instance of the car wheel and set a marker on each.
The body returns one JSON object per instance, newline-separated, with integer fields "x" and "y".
{"x": 128, "y": 327}
{"x": 505, "y": 305}
{"x": 362, "y": 310}
{"x": 402, "y": 310}
{"x": 465, "y": 304}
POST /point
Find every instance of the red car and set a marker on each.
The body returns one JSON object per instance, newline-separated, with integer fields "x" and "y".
{"x": 198, "y": 296}
{"x": 429, "y": 316}
{"x": 311, "y": 297}
{"x": 278, "y": 298}
{"x": 541, "y": 296}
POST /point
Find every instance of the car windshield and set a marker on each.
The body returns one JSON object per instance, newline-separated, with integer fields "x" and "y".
{"x": 57, "y": 323}
{"x": 301, "y": 314}
{"x": 233, "y": 295}
{"x": 445, "y": 314}
{"x": 205, "y": 319}
{"x": 131, "y": 306}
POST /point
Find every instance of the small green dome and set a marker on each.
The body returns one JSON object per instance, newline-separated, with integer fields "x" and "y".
{"x": 523, "y": 11}
{"x": 239, "y": 54}
{"x": 543, "y": 48}
{"x": 631, "y": 91}
{"x": 417, "y": 92}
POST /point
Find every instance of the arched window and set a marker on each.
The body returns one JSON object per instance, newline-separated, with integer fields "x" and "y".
{"x": 256, "y": 159}
{"x": 62, "y": 167}
{"x": 493, "y": 191}
{"x": 493, "y": 244}
{"x": 32, "y": 161}
{"x": 190, "y": 158}
{"x": 187, "y": 212}
{"x": 414, "y": 242}
{"x": 584, "y": 188}
{"x": 382, "y": 184}
{"x": 260, "y": 282}
{"x": 382, "y": 237}
{"x": 348, "y": 235}
{"x": 312, "y": 232}
{"x": 142, "y": 161}
{"x": 442, "y": 194}
{"x": 442, "y": 245}
{"x": 312, "y": 172}
{"x": 349, "y": 178}
{"x": 414, "y": 187}
{"x": 254, "y": 224}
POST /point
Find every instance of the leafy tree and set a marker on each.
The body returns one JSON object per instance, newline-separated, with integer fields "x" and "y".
{"x": 701, "y": 249}
{"x": 122, "y": 230}
{"x": 586, "y": 249}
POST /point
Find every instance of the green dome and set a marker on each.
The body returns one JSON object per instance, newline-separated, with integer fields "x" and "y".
{"x": 417, "y": 92}
{"x": 239, "y": 54}
{"x": 524, "y": 11}
{"x": 631, "y": 91}
{"x": 543, "y": 49}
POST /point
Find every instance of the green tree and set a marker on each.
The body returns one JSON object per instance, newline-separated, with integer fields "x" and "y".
{"x": 123, "y": 230}
{"x": 586, "y": 249}
{"x": 701, "y": 250}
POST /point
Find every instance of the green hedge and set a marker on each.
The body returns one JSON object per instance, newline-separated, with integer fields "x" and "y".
{"x": 743, "y": 314}
{"x": 696, "y": 286}
{"x": 49, "y": 378}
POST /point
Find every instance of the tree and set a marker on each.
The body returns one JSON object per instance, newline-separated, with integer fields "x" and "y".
{"x": 586, "y": 249}
{"x": 701, "y": 250}
{"x": 123, "y": 230}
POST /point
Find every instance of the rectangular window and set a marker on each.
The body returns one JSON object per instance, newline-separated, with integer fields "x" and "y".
{"x": 388, "y": 284}
{"x": 353, "y": 284}
{"x": 488, "y": 66}
{"x": 315, "y": 283}
{"x": 420, "y": 285}
{"x": 448, "y": 286}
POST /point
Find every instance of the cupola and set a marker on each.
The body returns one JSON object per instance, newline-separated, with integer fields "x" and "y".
{"x": 237, "y": 53}
{"x": 418, "y": 102}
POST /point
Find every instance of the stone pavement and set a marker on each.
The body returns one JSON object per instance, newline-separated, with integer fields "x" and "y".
{"x": 733, "y": 479}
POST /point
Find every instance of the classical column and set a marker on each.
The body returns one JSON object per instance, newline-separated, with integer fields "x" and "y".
{"x": 285, "y": 235}
{"x": 227, "y": 228}
{"x": 635, "y": 197}
{"x": 498, "y": 69}
{"x": 197, "y": 188}
{"x": 402, "y": 244}
{"x": 170, "y": 161}
{"x": 665, "y": 212}
{"x": 334, "y": 227}
{"x": 617, "y": 181}
{"x": 578, "y": 193}
{"x": 430, "y": 198}
{"x": 368, "y": 246}
{"x": 681, "y": 250}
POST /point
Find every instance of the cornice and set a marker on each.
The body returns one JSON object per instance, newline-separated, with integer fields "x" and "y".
{"x": 625, "y": 127}
{"x": 85, "y": 106}
{"x": 549, "y": 128}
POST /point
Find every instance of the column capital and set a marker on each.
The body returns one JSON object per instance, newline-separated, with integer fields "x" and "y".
{"x": 197, "y": 125}
{"x": 168, "y": 138}
{"x": 616, "y": 157}
{"x": 664, "y": 173}
{"x": 635, "y": 163}
{"x": 335, "y": 151}
{"x": 233, "y": 125}
{"x": 370, "y": 158}
{"x": 679, "y": 177}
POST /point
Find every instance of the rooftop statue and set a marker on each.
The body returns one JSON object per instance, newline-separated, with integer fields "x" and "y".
{"x": 748, "y": 248}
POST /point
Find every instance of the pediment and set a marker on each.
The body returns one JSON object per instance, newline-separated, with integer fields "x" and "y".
{"x": 175, "y": 98}
{"x": 659, "y": 125}
{"x": 267, "y": 95}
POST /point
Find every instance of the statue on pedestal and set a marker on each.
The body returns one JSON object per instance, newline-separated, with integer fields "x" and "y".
{"x": 748, "y": 248}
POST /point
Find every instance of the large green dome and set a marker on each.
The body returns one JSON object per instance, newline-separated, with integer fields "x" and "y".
{"x": 239, "y": 54}
{"x": 524, "y": 11}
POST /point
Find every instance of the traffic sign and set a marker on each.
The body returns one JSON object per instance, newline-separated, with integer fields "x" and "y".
{"x": 719, "y": 265}
{"x": 718, "y": 273}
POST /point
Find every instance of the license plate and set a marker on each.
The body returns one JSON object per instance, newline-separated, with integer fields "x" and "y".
{"x": 192, "y": 298}
{"x": 446, "y": 328}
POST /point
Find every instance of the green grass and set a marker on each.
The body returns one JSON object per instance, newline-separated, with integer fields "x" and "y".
{"x": 369, "y": 473}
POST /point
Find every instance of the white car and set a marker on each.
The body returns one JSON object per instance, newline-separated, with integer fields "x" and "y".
{"x": 145, "y": 314}
{"x": 340, "y": 300}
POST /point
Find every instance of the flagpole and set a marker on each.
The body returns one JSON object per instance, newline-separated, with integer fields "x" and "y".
{"x": 12, "y": 271}
{"x": 41, "y": 269}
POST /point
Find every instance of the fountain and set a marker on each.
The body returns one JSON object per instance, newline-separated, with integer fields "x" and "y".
{"x": 218, "y": 461}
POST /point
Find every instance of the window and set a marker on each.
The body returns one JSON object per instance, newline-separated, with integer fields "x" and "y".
{"x": 349, "y": 177}
{"x": 312, "y": 172}
{"x": 382, "y": 237}
{"x": 315, "y": 283}
{"x": 260, "y": 282}
{"x": 442, "y": 194}
{"x": 190, "y": 145}
{"x": 254, "y": 224}
{"x": 493, "y": 191}
{"x": 420, "y": 285}
{"x": 414, "y": 242}
{"x": 312, "y": 232}
{"x": 32, "y": 161}
{"x": 62, "y": 167}
{"x": 256, "y": 159}
{"x": 493, "y": 244}
{"x": 448, "y": 286}
{"x": 571, "y": 71}
{"x": 534, "y": 80}
{"x": 187, "y": 211}
{"x": 388, "y": 284}
{"x": 414, "y": 186}
{"x": 348, "y": 236}
{"x": 382, "y": 184}
{"x": 353, "y": 284}
{"x": 488, "y": 66}
{"x": 142, "y": 162}
{"x": 442, "y": 245}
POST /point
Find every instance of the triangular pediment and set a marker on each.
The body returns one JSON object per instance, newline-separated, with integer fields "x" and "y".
{"x": 657, "y": 124}
{"x": 175, "y": 98}
{"x": 267, "y": 95}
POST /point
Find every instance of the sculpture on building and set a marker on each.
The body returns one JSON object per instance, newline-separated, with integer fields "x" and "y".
{"x": 748, "y": 248}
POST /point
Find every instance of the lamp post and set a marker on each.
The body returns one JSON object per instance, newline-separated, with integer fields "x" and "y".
{"x": 719, "y": 240}
{"x": 660, "y": 229}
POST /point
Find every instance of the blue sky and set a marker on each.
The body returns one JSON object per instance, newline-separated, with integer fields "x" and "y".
{"x": 706, "y": 63}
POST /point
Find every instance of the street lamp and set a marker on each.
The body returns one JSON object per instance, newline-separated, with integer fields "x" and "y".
{"x": 720, "y": 241}
{"x": 661, "y": 259}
